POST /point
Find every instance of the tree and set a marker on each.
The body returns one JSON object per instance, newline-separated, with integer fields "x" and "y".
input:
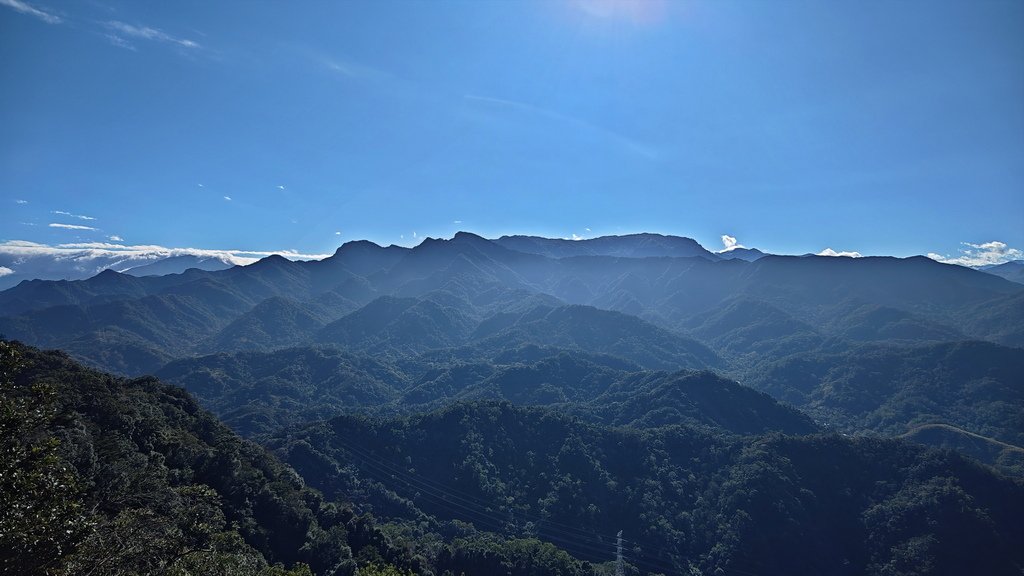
{"x": 40, "y": 501}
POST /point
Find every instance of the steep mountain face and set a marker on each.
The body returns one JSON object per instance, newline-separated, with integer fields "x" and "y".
{"x": 686, "y": 500}
{"x": 628, "y": 246}
{"x": 1012, "y": 271}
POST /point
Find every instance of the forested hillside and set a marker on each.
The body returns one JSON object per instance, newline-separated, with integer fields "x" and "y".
{"x": 506, "y": 407}
{"x": 132, "y": 476}
{"x": 687, "y": 499}
{"x": 104, "y": 475}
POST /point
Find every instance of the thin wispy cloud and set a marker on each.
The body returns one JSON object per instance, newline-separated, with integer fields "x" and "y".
{"x": 122, "y": 30}
{"x": 70, "y": 226}
{"x": 21, "y": 201}
{"x": 115, "y": 238}
{"x": 625, "y": 142}
{"x": 79, "y": 216}
{"x": 831, "y": 252}
{"x": 120, "y": 42}
{"x": 26, "y": 8}
{"x": 228, "y": 198}
{"x": 977, "y": 255}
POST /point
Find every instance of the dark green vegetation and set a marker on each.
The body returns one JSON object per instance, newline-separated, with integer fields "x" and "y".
{"x": 131, "y": 476}
{"x": 687, "y": 499}
{"x": 506, "y": 406}
{"x": 104, "y": 475}
{"x": 258, "y": 393}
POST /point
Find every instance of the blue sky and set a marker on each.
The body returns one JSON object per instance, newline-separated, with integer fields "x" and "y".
{"x": 876, "y": 127}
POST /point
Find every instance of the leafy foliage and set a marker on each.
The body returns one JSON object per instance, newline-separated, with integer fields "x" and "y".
{"x": 687, "y": 499}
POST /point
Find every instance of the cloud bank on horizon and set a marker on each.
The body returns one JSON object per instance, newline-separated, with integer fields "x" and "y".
{"x": 22, "y": 260}
{"x": 979, "y": 255}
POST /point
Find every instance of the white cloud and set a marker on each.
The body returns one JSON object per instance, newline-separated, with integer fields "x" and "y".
{"x": 147, "y": 33}
{"x": 115, "y": 238}
{"x": 116, "y": 40}
{"x": 337, "y": 233}
{"x": 831, "y": 252}
{"x": 280, "y": 187}
{"x": 79, "y": 216}
{"x": 729, "y": 244}
{"x": 200, "y": 185}
{"x": 21, "y": 201}
{"x": 5, "y": 271}
{"x": 82, "y": 260}
{"x": 457, "y": 222}
{"x": 70, "y": 226}
{"x": 577, "y": 237}
{"x": 153, "y": 251}
{"x": 414, "y": 234}
{"x": 228, "y": 198}
{"x": 587, "y": 229}
{"x": 985, "y": 254}
{"x": 26, "y": 8}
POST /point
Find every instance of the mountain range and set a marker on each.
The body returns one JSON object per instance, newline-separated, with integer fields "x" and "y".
{"x": 468, "y": 299}
{"x": 1013, "y": 270}
{"x": 140, "y": 479}
{"x": 480, "y": 396}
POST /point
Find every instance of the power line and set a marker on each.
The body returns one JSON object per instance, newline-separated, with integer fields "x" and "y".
{"x": 445, "y": 497}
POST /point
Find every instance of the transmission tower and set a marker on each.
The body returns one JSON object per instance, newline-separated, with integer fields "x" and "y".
{"x": 619, "y": 570}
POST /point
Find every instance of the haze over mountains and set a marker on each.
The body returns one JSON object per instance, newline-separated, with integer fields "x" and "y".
{"x": 30, "y": 261}
{"x": 514, "y": 371}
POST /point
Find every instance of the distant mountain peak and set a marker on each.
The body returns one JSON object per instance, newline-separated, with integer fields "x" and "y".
{"x": 273, "y": 260}
{"x": 639, "y": 245}
{"x": 469, "y": 237}
{"x": 179, "y": 264}
{"x": 353, "y": 245}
